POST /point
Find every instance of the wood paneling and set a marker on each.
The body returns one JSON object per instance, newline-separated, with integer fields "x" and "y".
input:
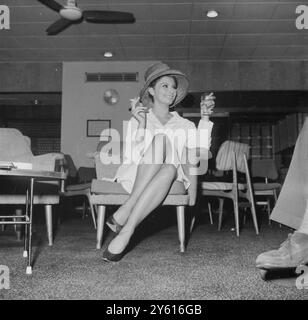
{"x": 31, "y": 77}
{"x": 203, "y": 75}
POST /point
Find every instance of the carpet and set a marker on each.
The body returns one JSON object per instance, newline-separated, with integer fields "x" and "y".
{"x": 216, "y": 265}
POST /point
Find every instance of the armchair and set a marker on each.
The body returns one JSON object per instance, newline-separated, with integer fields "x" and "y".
{"x": 104, "y": 193}
{"x": 15, "y": 147}
{"x": 81, "y": 186}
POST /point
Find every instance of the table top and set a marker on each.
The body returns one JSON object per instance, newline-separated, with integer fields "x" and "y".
{"x": 47, "y": 175}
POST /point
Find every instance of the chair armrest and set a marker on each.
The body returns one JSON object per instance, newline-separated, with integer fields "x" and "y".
{"x": 46, "y": 162}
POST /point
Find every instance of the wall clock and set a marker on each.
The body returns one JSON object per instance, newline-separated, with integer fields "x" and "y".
{"x": 111, "y": 96}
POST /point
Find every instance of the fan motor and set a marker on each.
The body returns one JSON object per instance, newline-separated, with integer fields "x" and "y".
{"x": 71, "y": 13}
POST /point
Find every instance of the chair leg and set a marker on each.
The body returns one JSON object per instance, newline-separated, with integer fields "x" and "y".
{"x": 48, "y": 217}
{"x": 249, "y": 197}
{"x": 220, "y": 211}
{"x": 92, "y": 210}
{"x": 192, "y": 224}
{"x": 84, "y": 209}
{"x": 244, "y": 217}
{"x": 275, "y": 195}
{"x": 269, "y": 210}
{"x": 180, "y": 210}
{"x": 254, "y": 216}
{"x": 210, "y": 212}
{"x": 236, "y": 217}
{"x": 100, "y": 225}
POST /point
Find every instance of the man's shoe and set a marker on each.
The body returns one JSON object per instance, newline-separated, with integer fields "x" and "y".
{"x": 113, "y": 225}
{"x": 292, "y": 253}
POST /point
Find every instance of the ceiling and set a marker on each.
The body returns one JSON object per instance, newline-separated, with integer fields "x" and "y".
{"x": 164, "y": 30}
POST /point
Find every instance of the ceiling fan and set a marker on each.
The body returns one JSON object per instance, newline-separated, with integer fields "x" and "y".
{"x": 71, "y": 14}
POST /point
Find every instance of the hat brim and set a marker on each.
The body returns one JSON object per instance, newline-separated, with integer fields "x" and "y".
{"x": 182, "y": 88}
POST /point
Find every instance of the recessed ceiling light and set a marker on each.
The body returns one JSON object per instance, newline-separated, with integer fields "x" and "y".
{"x": 211, "y": 13}
{"x": 108, "y": 54}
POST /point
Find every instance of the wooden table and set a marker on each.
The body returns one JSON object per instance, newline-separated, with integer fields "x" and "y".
{"x": 26, "y": 219}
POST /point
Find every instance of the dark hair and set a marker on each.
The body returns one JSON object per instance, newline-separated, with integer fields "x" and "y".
{"x": 153, "y": 83}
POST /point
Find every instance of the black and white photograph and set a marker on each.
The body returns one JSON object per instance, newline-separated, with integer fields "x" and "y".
{"x": 154, "y": 153}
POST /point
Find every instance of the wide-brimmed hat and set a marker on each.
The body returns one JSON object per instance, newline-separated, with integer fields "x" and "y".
{"x": 158, "y": 70}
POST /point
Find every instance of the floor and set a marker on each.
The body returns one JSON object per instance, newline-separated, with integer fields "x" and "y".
{"x": 216, "y": 265}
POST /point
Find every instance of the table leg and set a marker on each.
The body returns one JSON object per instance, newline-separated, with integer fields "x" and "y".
{"x": 25, "y": 254}
{"x": 18, "y": 228}
{"x": 29, "y": 267}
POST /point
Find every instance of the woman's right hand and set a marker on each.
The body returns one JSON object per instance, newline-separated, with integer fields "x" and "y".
{"x": 138, "y": 110}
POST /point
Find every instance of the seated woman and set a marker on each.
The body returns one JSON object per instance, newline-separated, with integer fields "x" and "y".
{"x": 157, "y": 134}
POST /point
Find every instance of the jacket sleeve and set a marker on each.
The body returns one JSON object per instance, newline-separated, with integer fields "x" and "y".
{"x": 200, "y": 137}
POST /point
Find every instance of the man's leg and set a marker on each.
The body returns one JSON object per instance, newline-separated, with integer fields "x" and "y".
{"x": 291, "y": 209}
{"x": 291, "y": 205}
{"x": 304, "y": 225}
{"x": 292, "y": 252}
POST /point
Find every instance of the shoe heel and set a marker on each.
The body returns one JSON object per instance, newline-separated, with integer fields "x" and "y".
{"x": 113, "y": 225}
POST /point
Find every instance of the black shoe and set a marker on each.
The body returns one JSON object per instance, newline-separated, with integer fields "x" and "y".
{"x": 112, "y": 257}
{"x": 113, "y": 225}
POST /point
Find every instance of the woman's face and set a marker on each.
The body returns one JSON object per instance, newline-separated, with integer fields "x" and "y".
{"x": 164, "y": 91}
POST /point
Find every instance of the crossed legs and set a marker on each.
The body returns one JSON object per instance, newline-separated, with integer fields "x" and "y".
{"x": 153, "y": 181}
{"x": 153, "y": 159}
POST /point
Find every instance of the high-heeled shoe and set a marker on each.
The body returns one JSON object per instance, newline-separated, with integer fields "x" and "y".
{"x": 113, "y": 224}
{"x": 112, "y": 257}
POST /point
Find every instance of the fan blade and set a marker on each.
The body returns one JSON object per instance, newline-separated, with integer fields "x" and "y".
{"x": 98, "y": 16}
{"x": 58, "y": 26}
{"x": 52, "y": 4}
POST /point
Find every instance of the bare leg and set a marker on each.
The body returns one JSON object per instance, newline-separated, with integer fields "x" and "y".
{"x": 147, "y": 169}
{"x": 151, "y": 197}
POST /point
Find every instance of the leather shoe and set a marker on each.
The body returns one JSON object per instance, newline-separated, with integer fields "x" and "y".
{"x": 112, "y": 257}
{"x": 113, "y": 225}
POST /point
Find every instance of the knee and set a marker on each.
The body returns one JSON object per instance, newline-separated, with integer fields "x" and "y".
{"x": 169, "y": 169}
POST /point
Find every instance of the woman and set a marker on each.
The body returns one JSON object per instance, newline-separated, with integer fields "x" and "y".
{"x": 156, "y": 136}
